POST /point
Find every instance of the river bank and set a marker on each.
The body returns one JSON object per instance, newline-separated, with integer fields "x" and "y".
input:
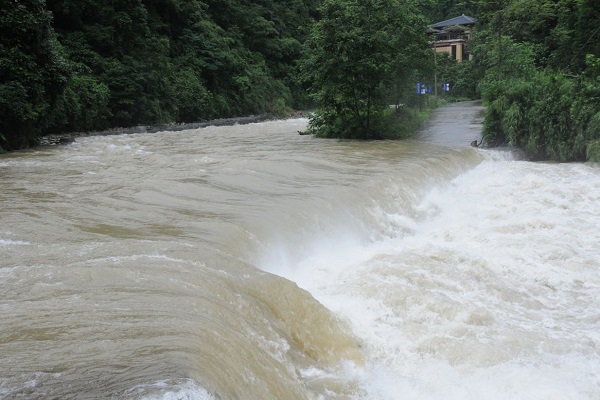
{"x": 70, "y": 137}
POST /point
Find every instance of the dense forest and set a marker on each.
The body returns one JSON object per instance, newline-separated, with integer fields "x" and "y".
{"x": 541, "y": 76}
{"x": 80, "y": 65}
{"x": 83, "y": 65}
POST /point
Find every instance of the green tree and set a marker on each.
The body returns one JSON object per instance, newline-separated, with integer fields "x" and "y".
{"x": 542, "y": 86}
{"x": 32, "y": 71}
{"x": 463, "y": 77}
{"x": 355, "y": 49}
{"x": 83, "y": 106}
{"x": 117, "y": 44}
{"x": 440, "y": 10}
{"x": 122, "y": 63}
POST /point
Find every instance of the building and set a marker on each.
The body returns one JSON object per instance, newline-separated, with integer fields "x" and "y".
{"x": 452, "y": 35}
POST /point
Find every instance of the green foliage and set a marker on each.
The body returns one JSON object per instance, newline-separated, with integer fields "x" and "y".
{"x": 83, "y": 106}
{"x": 440, "y": 10}
{"x": 2, "y": 139}
{"x": 90, "y": 64}
{"x": 32, "y": 71}
{"x": 503, "y": 57}
{"x": 541, "y": 85}
{"x": 550, "y": 115}
{"x": 592, "y": 63}
{"x": 356, "y": 49}
{"x": 278, "y": 108}
{"x": 593, "y": 151}
{"x": 191, "y": 97}
{"x": 591, "y": 139}
{"x": 463, "y": 77}
{"x": 560, "y": 32}
{"x": 403, "y": 122}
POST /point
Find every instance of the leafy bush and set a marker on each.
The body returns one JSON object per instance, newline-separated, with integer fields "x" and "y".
{"x": 547, "y": 113}
{"x": 356, "y": 53}
{"x": 593, "y": 151}
{"x": 592, "y": 134}
{"x": 463, "y": 78}
{"x": 32, "y": 71}
{"x": 404, "y": 122}
{"x": 83, "y": 106}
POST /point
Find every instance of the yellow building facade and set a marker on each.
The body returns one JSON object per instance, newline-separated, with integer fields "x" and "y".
{"x": 452, "y": 35}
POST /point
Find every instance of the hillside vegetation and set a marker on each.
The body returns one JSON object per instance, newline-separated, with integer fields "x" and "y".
{"x": 85, "y": 65}
{"x": 80, "y": 65}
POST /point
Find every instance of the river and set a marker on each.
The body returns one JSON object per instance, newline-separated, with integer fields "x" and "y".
{"x": 251, "y": 262}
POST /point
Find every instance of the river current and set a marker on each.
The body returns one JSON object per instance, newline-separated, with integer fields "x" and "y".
{"x": 251, "y": 262}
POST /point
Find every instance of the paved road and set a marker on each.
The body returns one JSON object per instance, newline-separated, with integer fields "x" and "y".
{"x": 456, "y": 124}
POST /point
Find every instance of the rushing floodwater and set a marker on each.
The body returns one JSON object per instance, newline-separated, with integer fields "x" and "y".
{"x": 250, "y": 262}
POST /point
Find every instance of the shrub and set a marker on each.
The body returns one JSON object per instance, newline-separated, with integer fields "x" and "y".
{"x": 593, "y": 151}
{"x": 549, "y": 115}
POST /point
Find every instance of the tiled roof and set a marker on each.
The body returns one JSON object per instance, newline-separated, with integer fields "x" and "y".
{"x": 462, "y": 20}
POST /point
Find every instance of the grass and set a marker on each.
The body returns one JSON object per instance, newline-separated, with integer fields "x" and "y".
{"x": 404, "y": 122}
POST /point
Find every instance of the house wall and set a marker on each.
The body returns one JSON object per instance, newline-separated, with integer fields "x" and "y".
{"x": 455, "y": 44}
{"x": 456, "y": 50}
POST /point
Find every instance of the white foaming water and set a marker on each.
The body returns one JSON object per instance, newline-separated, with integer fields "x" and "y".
{"x": 8, "y": 242}
{"x": 170, "y": 390}
{"x": 494, "y": 293}
{"x": 129, "y": 268}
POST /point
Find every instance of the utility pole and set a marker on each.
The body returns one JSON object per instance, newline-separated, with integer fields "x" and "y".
{"x": 435, "y": 71}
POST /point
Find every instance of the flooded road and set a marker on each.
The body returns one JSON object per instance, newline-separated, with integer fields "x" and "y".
{"x": 457, "y": 124}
